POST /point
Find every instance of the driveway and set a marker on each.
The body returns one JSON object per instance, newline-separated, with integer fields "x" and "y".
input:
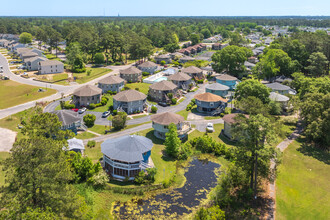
{"x": 7, "y": 139}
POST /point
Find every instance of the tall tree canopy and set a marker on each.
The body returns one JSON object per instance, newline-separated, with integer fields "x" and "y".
{"x": 25, "y": 38}
{"x": 254, "y": 88}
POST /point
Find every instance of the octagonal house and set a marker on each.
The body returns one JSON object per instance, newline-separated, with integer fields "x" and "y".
{"x": 210, "y": 104}
{"x": 148, "y": 67}
{"x": 111, "y": 83}
{"x": 131, "y": 74}
{"x": 160, "y": 123}
{"x": 227, "y": 80}
{"x": 124, "y": 157}
{"x": 158, "y": 91}
{"x": 180, "y": 79}
{"x": 194, "y": 72}
{"x": 129, "y": 101}
{"x": 217, "y": 89}
{"x": 87, "y": 95}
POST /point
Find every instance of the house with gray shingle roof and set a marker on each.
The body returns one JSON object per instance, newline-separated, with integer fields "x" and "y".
{"x": 217, "y": 89}
{"x": 180, "y": 79}
{"x": 130, "y": 101}
{"x": 158, "y": 91}
{"x": 280, "y": 88}
{"x": 124, "y": 157}
{"x": 50, "y": 67}
{"x": 148, "y": 67}
{"x": 131, "y": 74}
{"x": 86, "y": 95}
{"x": 32, "y": 64}
{"x": 164, "y": 57}
{"x": 111, "y": 83}
{"x": 69, "y": 120}
{"x": 227, "y": 80}
{"x": 194, "y": 72}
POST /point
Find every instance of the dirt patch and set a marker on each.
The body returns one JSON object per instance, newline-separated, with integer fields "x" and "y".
{"x": 7, "y": 139}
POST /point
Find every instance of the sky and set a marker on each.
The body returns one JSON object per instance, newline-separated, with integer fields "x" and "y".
{"x": 164, "y": 8}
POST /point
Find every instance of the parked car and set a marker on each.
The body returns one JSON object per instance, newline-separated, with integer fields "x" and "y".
{"x": 82, "y": 110}
{"x": 209, "y": 127}
{"x": 164, "y": 104}
{"x": 75, "y": 109}
{"x": 105, "y": 114}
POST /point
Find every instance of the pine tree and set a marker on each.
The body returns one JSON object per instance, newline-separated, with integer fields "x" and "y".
{"x": 172, "y": 141}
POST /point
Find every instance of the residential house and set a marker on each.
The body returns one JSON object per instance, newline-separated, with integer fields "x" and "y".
{"x": 182, "y": 80}
{"x": 131, "y": 74}
{"x": 229, "y": 120}
{"x": 210, "y": 104}
{"x": 111, "y": 83}
{"x": 280, "y": 88}
{"x": 32, "y": 64}
{"x": 186, "y": 59}
{"x": 76, "y": 145}
{"x": 164, "y": 57}
{"x": 249, "y": 66}
{"x": 70, "y": 120}
{"x": 124, "y": 157}
{"x": 217, "y": 89}
{"x": 15, "y": 46}
{"x": 216, "y": 46}
{"x": 130, "y": 101}
{"x": 194, "y": 72}
{"x": 158, "y": 91}
{"x": 176, "y": 55}
{"x": 27, "y": 55}
{"x": 3, "y": 42}
{"x": 148, "y": 67}
{"x": 253, "y": 60}
{"x": 282, "y": 99}
{"x": 50, "y": 67}
{"x": 227, "y": 80}
{"x": 86, "y": 95}
{"x": 160, "y": 123}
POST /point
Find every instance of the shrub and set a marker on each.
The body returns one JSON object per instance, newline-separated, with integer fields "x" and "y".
{"x": 99, "y": 58}
{"x": 222, "y": 114}
{"x": 91, "y": 106}
{"x": 200, "y": 81}
{"x": 188, "y": 108}
{"x": 99, "y": 180}
{"x": 79, "y": 70}
{"x": 111, "y": 108}
{"x": 227, "y": 110}
{"x": 68, "y": 106}
{"x": 170, "y": 95}
{"x": 117, "y": 63}
{"x": 104, "y": 100}
{"x": 185, "y": 151}
{"x": 193, "y": 101}
{"x": 162, "y": 62}
{"x": 89, "y": 72}
{"x": 89, "y": 120}
{"x": 154, "y": 109}
{"x": 145, "y": 74}
{"x": 137, "y": 89}
{"x": 114, "y": 111}
{"x": 109, "y": 92}
{"x": 274, "y": 108}
{"x": 174, "y": 101}
{"x": 119, "y": 121}
{"x": 91, "y": 144}
{"x": 98, "y": 104}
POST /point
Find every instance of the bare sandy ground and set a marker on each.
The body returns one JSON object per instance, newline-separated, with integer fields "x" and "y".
{"x": 7, "y": 139}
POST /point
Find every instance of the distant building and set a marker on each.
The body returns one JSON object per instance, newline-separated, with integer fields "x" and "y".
{"x": 131, "y": 74}
{"x": 111, "y": 83}
{"x": 158, "y": 91}
{"x": 227, "y": 80}
{"x": 76, "y": 145}
{"x": 281, "y": 89}
{"x": 86, "y": 95}
{"x": 32, "y": 64}
{"x": 194, "y": 72}
{"x": 164, "y": 57}
{"x": 182, "y": 80}
{"x": 148, "y": 66}
{"x": 282, "y": 99}
{"x": 186, "y": 59}
{"x": 217, "y": 89}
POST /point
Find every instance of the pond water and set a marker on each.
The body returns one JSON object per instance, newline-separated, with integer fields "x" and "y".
{"x": 200, "y": 178}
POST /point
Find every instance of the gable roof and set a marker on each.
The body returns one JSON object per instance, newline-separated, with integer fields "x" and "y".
{"x": 50, "y": 63}
{"x": 277, "y": 86}
{"x": 226, "y": 77}
{"x": 192, "y": 70}
{"x": 32, "y": 59}
{"x": 87, "y": 90}
{"x": 29, "y": 54}
{"x": 230, "y": 118}
{"x": 75, "y": 144}
{"x": 274, "y": 96}
{"x": 179, "y": 77}
{"x": 110, "y": 80}
{"x": 129, "y": 96}
{"x": 67, "y": 117}
{"x": 167, "y": 118}
{"x": 163, "y": 56}
{"x": 163, "y": 86}
{"x": 209, "y": 97}
{"x": 129, "y": 148}
{"x": 147, "y": 64}
{"x": 217, "y": 86}
{"x": 130, "y": 70}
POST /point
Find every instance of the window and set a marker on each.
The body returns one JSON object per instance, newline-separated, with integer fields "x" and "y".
{"x": 165, "y": 126}
{"x": 211, "y": 103}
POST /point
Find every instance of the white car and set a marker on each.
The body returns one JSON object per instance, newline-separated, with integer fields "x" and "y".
{"x": 82, "y": 110}
{"x": 209, "y": 127}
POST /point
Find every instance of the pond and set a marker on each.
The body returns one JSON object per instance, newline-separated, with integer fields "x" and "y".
{"x": 200, "y": 178}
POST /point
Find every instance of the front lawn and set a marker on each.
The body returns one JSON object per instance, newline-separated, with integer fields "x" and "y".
{"x": 85, "y": 135}
{"x": 105, "y": 107}
{"x": 302, "y": 185}
{"x": 13, "y": 93}
{"x": 143, "y": 87}
{"x": 100, "y": 129}
{"x": 96, "y": 72}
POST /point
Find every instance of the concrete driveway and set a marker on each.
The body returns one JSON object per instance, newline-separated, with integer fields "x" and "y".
{"x": 7, "y": 139}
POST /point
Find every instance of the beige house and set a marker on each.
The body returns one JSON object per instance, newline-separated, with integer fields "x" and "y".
{"x": 129, "y": 101}
{"x": 180, "y": 79}
{"x": 86, "y": 95}
{"x": 229, "y": 120}
{"x": 164, "y": 57}
{"x": 32, "y": 64}
{"x": 160, "y": 123}
{"x": 111, "y": 83}
{"x": 158, "y": 91}
{"x": 51, "y": 66}
{"x": 194, "y": 72}
{"x": 131, "y": 74}
{"x": 148, "y": 66}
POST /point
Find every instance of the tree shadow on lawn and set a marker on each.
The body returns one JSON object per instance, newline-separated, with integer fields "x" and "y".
{"x": 227, "y": 140}
{"x": 313, "y": 151}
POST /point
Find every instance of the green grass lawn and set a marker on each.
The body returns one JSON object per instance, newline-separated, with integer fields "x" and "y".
{"x": 143, "y": 87}
{"x": 13, "y": 93}
{"x": 96, "y": 72}
{"x": 85, "y": 135}
{"x": 100, "y": 129}
{"x": 185, "y": 113}
{"x": 3, "y": 156}
{"x": 52, "y": 57}
{"x": 105, "y": 107}
{"x": 302, "y": 186}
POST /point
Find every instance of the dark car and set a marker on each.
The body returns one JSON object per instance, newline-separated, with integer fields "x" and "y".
{"x": 164, "y": 104}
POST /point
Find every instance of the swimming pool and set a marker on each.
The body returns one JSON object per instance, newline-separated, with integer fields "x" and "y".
{"x": 155, "y": 78}
{"x": 160, "y": 79}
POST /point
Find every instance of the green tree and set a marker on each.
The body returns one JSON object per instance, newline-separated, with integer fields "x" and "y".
{"x": 75, "y": 57}
{"x": 252, "y": 87}
{"x": 236, "y": 39}
{"x": 172, "y": 141}
{"x": 252, "y": 105}
{"x": 195, "y": 39}
{"x": 119, "y": 121}
{"x": 255, "y": 134}
{"x": 318, "y": 64}
{"x": 99, "y": 58}
{"x": 231, "y": 59}
{"x": 89, "y": 120}
{"x": 274, "y": 108}
{"x": 171, "y": 47}
{"x": 206, "y": 33}
{"x": 212, "y": 213}
{"x": 38, "y": 176}
{"x": 25, "y": 38}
